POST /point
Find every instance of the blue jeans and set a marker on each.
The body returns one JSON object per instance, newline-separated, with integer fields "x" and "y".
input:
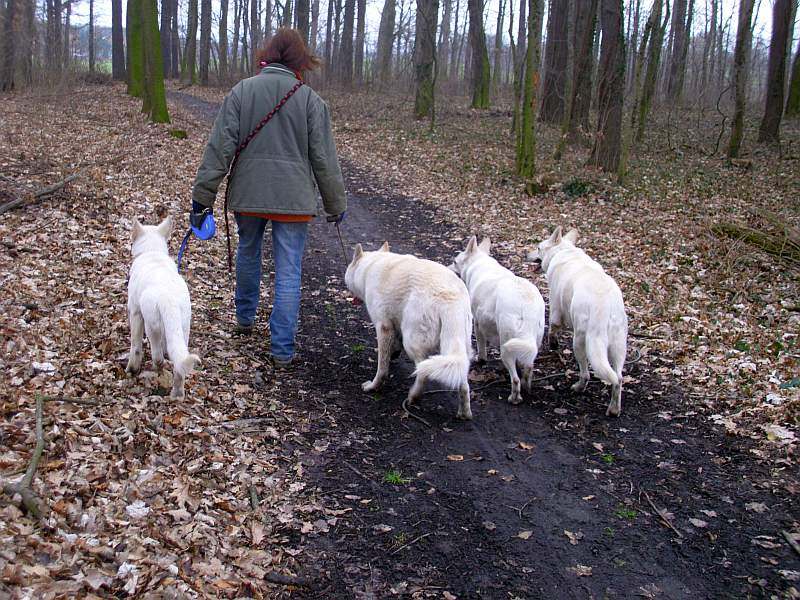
{"x": 288, "y": 244}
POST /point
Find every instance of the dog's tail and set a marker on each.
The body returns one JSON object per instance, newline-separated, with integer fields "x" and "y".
{"x": 451, "y": 367}
{"x": 451, "y": 370}
{"x": 524, "y": 351}
{"x": 177, "y": 349}
{"x": 597, "y": 346}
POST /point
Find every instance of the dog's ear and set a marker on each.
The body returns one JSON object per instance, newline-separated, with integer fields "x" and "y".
{"x": 165, "y": 228}
{"x": 385, "y": 247}
{"x": 472, "y": 245}
{"x": 485, "y": 245}
{"x": 556, "y": 237}
{"x": 137, "y": 230}
{"x": 358, "y": 252}
{"x": 572, "y": 236}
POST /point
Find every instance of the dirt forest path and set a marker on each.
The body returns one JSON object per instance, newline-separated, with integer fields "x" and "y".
{"x": 548, "y": 499}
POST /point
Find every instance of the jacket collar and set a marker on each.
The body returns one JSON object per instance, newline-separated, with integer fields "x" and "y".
{"x": 279, "y": 69}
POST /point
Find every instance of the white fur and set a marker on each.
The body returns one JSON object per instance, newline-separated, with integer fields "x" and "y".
{"x": 508, "y": 312}
{"x": 158, "y": 304}
{"x": 428, "y": 306}
{"x": 583, "y": 297}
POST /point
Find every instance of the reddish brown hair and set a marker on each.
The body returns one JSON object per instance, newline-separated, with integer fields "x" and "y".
{"x": 288, "y": 48}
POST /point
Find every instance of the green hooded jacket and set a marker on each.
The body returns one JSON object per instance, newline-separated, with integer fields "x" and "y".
{"x": 277, "y": 171}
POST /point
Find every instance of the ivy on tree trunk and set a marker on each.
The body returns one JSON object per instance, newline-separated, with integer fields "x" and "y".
{"x": 526, "y": 136}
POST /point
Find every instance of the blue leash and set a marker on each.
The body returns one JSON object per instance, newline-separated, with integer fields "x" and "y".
{"x": 202, "y": 225}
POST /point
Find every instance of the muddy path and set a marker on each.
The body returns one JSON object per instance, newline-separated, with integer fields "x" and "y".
{"x": 548, "y": 499}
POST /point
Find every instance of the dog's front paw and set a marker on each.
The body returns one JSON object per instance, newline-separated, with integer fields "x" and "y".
{"x": 515, "y": 398}
{"x": 369, "y": 386}
{"x": 464, "y": 415}
{"x": 133, "y": 367}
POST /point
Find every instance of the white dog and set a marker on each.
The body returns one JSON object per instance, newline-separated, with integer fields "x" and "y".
{"x": 585, "y": 298}
{"x": 158, "y": 304}
{"x": 428, "y": 306}
{"x": 508, "y": 311}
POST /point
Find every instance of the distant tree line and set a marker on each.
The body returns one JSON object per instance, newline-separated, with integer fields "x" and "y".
{"x": 593, "y": 68}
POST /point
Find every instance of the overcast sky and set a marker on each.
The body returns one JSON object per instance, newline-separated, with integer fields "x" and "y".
{"x": 763, "y": 23}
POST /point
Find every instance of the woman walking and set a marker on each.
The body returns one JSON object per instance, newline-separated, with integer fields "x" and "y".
{"x": 274, "y": 179}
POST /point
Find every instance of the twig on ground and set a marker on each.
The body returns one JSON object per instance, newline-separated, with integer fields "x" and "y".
{"x": 354, "y": 470}
{"x": 253, "y": 498}
{"x": 281, "y": 579}
{"x": 411, "y": 414}
{"x": 414, "y": 541}
{"x": 662, "y": 515}
{"x": 39, "y": 195}
{"x": 791, "y": 541}
{"x": 23, "y": 488}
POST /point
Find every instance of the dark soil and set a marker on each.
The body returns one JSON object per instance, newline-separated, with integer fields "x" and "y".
{"x": 429, "y": 509}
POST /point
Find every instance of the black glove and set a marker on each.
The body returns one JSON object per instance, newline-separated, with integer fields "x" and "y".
{"x": 198, "y": 214}
{"x": 336, "y": 218}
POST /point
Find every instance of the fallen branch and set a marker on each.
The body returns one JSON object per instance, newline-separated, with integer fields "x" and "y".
{"x": 39, "y": 195}
{"x": 662, "y": 515}
{"x": 414, "y": 541}
{"x": 780, "y": 246}
{"x": 792, "y": 542}
{"x": 281, "y": 579}
{"x": 23, "y": 489}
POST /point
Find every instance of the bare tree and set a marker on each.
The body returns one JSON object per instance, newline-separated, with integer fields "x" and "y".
{"x": 498, "y": 48}
{"x": 611, "y": 81}
{"x": 740, "y": 57}
{"x": 360, "y": 39}
{"x": 793, "y": 99}
{"x": 255, "y": 27}
{"x": 91, "y": 36}
{"x": 424, "y": 57}
{"x": 555, "y": 61}
{"x": 166, "y": 36}
{"x": 644, "y": 98}
{"x": 443, "y": 53}
{"x": 383, "y": 59}
{"x": 526, "y": 135}
{"x": 117, "y": 41}
{"x": 481, "y": 76}
{"x": 302, "y": 16}
{"x": 346, "y": 55}
{"x": 222, "y": 40}
{"x": 585, "y": 25}
{"x": 205, "y": 40}
{"x": 776, "y": 74}
{"x": 190, "y": 53}
{"x": 313, "y": 33}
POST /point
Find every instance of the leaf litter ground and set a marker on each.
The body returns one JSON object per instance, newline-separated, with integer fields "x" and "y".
{"x": 149, "y": 494}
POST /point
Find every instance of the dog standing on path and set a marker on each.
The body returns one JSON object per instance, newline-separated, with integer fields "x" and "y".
{"x": 158, "y": 304}
{"x": 508, "y": 311}
{"x": 428, "y": 306}
{"x": 586, "y": 299}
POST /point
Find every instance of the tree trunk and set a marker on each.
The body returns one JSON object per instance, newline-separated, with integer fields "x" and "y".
{"x": 7, "y": 69}
{"x": 679, "y": 34}
{"x": 117, "y": 42}
{"x": 519, "y": 63}
{"x": 645, "y": 101}
{"x": 526, "y": 135}
{"x": 190, "y": 54}
{"x": 346, "y": 55}
{"x": 91, "y": 36}
{"x": 166, "y": 36}
{"x": 67, "y": 53}
{"x": 498, "y": 49}
{"x": 302, "y": 18}
{"x": 424, "y": 56}
{"x": 555, "y": 59}
{"x": 481, "y": 76}
{"x": 175, "y": 41}
{"x": 255, "y": 29}
{"x": 313, "y": 33}
{"x": 776, "y": 72}
{"x": 134, "y": 39}
{"x": 337, "y": 29}
{"x": 585, "y": 25}
{"x": 245, "y": 55}
{"x": 633, "y": 42}
{"x": 205, "y": 40}
{"x": 793, "y": 99}
{"x": 286, "y": 20}
{"x": 443, "y": 53}
{"x": 360, "y": 39}
{"x": 267, "y": 20}
{"x": 383, "y": 60}
{"x": 707, "y": 68}
{"x": 329, "y": 39}
{"x": 237, "y": 18}
{"x": 607, "y": 146}
{"x": 154, "y": 102}
{"x": 222, "y": 40}
{"x": 740, "y": 58}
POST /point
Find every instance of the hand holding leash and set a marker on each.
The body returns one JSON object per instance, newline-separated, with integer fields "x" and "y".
{"x": 201, "y": 224}
{"x": 336, "y": 220}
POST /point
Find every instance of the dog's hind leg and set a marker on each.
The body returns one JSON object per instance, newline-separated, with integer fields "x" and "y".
{"x": 527, "y": 377}
{"x": 177, "y": 385}
{"x": 136, "y": 322}
{"x": 415, "y": 392}
{"x": 464, "y": 409}
{"x": 482, "y": 356}
{"x": 156, "y": 339}
{"x": 510, "y": 361}
{"x": 579, "y": 348}
{"x": 385, "y": 334}
{"x": 616, "y": 357}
